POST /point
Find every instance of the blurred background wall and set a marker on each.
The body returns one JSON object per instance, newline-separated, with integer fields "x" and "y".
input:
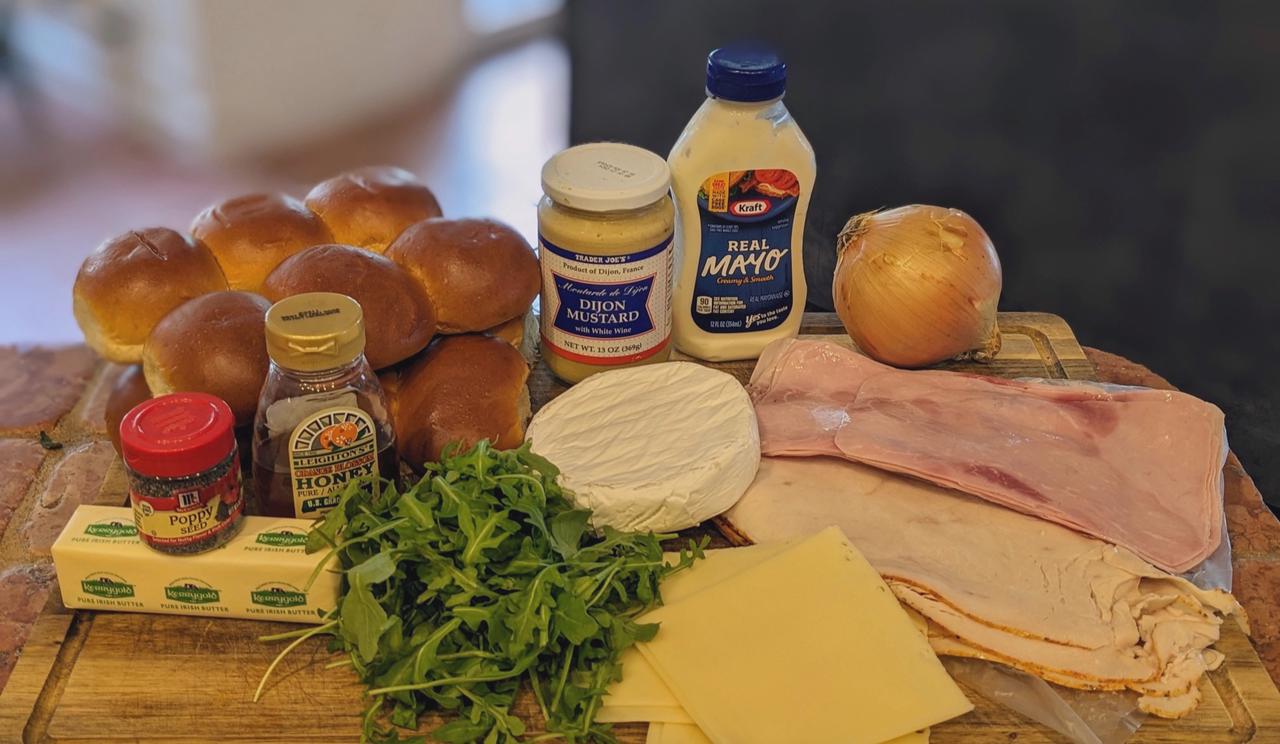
{"x": 1122, "y": 156}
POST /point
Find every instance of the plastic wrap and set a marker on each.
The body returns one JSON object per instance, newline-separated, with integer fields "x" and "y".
{"x": 1082, "y": 717}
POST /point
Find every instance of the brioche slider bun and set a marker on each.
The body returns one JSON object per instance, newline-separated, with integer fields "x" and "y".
{"x": 129, "y": 389}
{"x": 461, "y": 389}
{"x": 478, "y": 273}
{"x": 250, "y": 235}
{"x": 369, "y": 207}
{"x": 398, "y": 317}
{"x": 132, "y": 281}
{"x": 213, "y": 344}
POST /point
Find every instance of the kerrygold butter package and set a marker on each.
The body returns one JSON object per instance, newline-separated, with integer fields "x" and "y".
{"x": 258, "y": 575}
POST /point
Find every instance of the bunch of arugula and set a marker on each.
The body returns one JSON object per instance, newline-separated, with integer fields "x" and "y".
{"x": 480, "y": 577}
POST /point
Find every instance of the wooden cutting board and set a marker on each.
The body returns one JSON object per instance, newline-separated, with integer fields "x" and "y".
{"x": 112, "y": 677}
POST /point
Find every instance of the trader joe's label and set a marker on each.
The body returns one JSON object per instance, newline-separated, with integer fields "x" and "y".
{"x": 606, "y": 309}
{"x": 328, "y": 450}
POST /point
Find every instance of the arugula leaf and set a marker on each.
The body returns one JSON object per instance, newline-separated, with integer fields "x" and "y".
{"x": 361, "y": 619}
{"x": 572, "y": 619}
{"x": 480, "y": 578}
{"x": 567, "y": 529}
{"x": 376, "y": 569}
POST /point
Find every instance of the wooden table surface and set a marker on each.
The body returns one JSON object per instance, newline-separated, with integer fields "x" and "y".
{"x": 107, "y": 677}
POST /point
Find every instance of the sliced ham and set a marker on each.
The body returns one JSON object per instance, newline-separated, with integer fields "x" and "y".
{"x": 1135, "y": 467}
{"x": 1000, "y": 585}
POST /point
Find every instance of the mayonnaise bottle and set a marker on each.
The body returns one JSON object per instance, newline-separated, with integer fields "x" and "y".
{"x": 742, "y": 174}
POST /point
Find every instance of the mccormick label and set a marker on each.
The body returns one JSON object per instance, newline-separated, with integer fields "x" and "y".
{"x": 184, "y": 516}
{"x": 328, "y": 450}
{"x": 743, "y": 281}
{"x": 606, "y": 310}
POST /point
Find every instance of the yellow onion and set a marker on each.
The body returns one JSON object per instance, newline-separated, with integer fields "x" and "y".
{"x": 918, "y": 285}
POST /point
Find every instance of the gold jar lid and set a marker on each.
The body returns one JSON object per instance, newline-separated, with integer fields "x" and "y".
{"x": 315, "y": 331}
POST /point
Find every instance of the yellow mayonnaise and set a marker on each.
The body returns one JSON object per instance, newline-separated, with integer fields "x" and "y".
{"x": 604, "y": 231}
{"x": 742, "y": 174}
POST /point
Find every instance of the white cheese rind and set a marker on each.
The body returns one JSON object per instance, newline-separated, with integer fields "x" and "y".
{"x": 660, "y": 447}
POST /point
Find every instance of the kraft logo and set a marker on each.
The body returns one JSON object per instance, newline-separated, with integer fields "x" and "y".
{"x": 749, "y": 207}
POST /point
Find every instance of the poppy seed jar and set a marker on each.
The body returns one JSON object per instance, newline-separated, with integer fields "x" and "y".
{"x": 184, "y": 472}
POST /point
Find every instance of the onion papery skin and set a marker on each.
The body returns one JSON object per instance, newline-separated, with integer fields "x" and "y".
{"x": 918, "y": 285}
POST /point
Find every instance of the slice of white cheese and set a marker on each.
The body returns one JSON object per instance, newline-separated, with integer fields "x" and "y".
{"x": 643, "y": 713}
{"x": 809, "y": 645}
{"x": 641, "y": 695}
{"x": 676, "y": 733}
{"x": 660, "y": 447}
{"x": 688, "y": 733}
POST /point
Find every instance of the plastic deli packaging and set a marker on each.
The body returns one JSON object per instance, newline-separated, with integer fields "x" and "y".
{"x": 260, "y": 574}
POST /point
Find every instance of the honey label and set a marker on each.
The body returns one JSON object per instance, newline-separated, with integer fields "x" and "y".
{"x": 328, "y": 450}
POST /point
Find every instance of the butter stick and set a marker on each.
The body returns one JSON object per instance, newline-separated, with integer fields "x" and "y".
{"x": 260, "y": 574}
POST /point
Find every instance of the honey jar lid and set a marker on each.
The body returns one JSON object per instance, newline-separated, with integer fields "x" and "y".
{"x": 315, "y": 331}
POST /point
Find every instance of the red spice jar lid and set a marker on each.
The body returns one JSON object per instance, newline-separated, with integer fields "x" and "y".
{"x": 177, "y": 435}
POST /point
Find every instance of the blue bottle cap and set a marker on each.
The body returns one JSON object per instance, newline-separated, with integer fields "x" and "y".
{"x": 746, "y": 74}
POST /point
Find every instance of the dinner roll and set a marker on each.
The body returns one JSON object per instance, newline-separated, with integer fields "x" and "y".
{"x": 213, "y": 344}
{"x": 521, "y": 332}
{"x": 461, "y": 389}
{"x": 129, "y": 390}
{"x": 477, "y": 272}
{"x": 132, "y": 281}
{"x": 369, "y": 207}
{"x": 250, "y": 235}
{"x": 398, "y": 318}
{"x": 511, "y": 331}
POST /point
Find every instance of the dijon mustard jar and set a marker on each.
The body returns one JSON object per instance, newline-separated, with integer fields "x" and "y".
{"x": 323, "y": 420}
{"x": 604, "y": 232}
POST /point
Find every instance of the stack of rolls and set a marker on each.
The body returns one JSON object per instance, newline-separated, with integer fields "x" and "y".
{"x": 446, "y": 302}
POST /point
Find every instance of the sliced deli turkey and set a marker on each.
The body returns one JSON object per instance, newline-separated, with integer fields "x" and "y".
{"x": 995, "y": 584}
{"x": 1135, "y": 467}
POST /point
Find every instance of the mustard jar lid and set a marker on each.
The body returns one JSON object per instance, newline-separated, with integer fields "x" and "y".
{"x": 315, "y": 331}
{"x": 606, "y": 177}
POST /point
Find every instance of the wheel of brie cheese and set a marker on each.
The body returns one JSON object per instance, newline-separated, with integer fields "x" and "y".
{"x": 660, "y": 447}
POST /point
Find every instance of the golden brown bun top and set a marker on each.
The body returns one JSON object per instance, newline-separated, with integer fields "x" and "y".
{"x": 511, "y": 331}
{"x": 461, "y": 389}
{"x": 213, "y": 344}
{"x": 250, "y": 235}
{"x": 398, "y": 317}
{"x": 129, "y": 390}
{"x": 369, "y": 207}
{"x": 132, "y": 281}
{"x": 477, "y": 272}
